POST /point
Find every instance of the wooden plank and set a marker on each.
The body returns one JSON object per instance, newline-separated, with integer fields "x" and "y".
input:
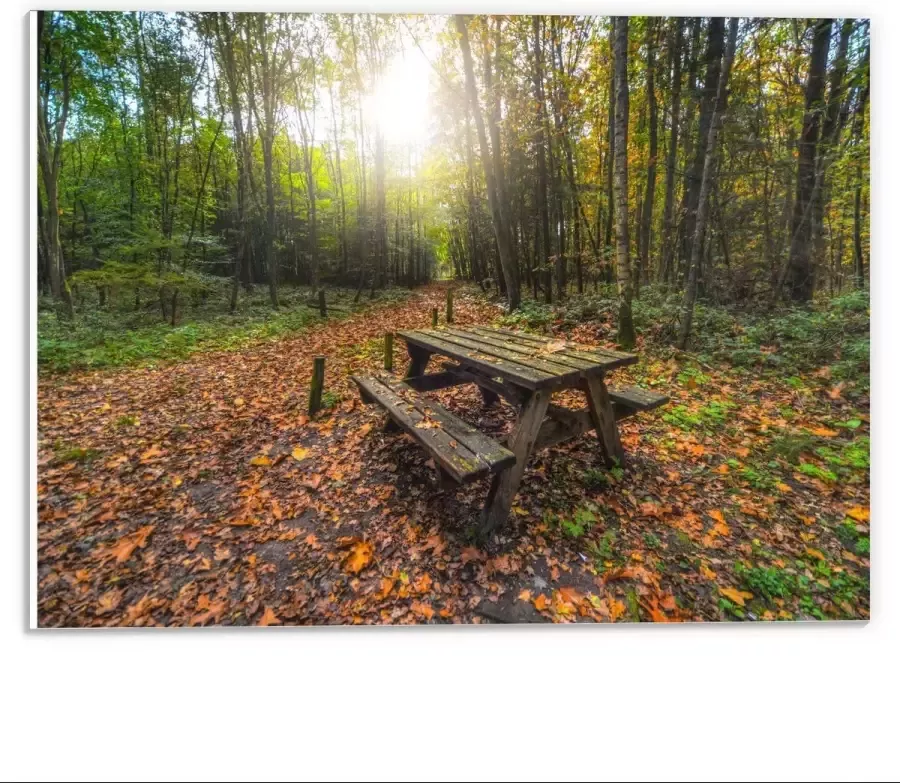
{"x": 464, "y": 452}
{"x": 476, "y": 441}
{"x": 636, "y": 399}
{"x": 611, "y": 358}
{"x": 571, "y": 355}
{"x": 564, "y": 374}
{"x": 604, "y": 419}
{"x": 509, "y": 391}
{"x": 434, "y": 381}
{"x": 562, "y": 358}
{"x": 521, "y": 442}
{"x": 490, "y": 365}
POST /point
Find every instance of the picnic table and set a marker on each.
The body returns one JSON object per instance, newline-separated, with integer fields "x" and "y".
{"x": 525, "y": 370}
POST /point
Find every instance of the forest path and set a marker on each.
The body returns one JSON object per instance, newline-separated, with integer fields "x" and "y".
{"x": 200, "y": 493}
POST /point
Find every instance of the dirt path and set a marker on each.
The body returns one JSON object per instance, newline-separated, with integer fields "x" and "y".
{"x": 200, "y": 494}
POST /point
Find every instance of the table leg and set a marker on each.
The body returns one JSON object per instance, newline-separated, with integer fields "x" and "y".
{"x": 604, "y": 420}
{"x": 488, "y": 397}
{"x": 521, "y": 441}
{"x": 418, "y": 360}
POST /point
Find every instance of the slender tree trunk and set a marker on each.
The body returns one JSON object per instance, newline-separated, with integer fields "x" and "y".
{"x": 690, "y": 292}
{"x": 714, "y": 43}
{"x": 800, "y": 276}
{"x": 668, "y": 244}
{"x": 500, "y": 223}
{"x": 50, "y": 142}
{"x": 626, "y": 337}
{"x": 831, "y": 129}
{"x": 647, "y": 215}
{"x": 540, "y": 142}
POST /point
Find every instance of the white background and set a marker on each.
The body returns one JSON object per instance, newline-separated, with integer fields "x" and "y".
{"x": 700, "y": 702}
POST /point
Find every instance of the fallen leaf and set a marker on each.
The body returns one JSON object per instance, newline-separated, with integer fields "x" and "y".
{"x": 299, "y": 453}
{"x": 269, "y": 618}
{"x": 541, "y": 602}
{"x": 736, "y": 596}
{"x": 359, "y": 556}
{"x": 859, "y": 513}
{"x": 109, "y": 601}
{"x": 261, "y": 460}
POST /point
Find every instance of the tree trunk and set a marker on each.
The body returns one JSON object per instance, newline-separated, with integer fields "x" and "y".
{"x": 543, "y": 260}
{"x": 714, "y": 43}
{"x": 50, "y": 142}
{"x": 498, "y": 214}
{"x": 690, "y": 292}
{"x": 626, "y": 337}
{"x": 831, "y": 130}
{"x": 668, "y": 245}
{"x": 647, "y": 216}
{"x": 800, "y": 278}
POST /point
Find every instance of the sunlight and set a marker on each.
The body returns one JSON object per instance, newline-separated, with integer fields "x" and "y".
{"x": 400, "y": 105}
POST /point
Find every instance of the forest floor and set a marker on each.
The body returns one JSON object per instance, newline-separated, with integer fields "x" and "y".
{"x": 200, "y": 493}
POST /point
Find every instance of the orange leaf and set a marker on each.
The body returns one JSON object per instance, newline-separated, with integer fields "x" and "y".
{"x": 269, "y": 618}
{"x": 859, "y": 514}
{"x": 525, "y": 595}
{"x": 823, "y": 432}
{"x": 707, "y": 572}
{"x": 814, "y": 553}
{"x": 261, "y": 460}
{"x": 359, "y": 556}
{"x": 737, "y": 596}
{"x": 541, "y": 602}
{"x": 422, "y": 609}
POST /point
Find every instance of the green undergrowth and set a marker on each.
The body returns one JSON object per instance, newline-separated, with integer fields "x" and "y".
{"x": 785, "y": 340}
{"x": 121, "y": 334}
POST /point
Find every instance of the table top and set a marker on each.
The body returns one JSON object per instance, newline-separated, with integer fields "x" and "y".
{"x": 527, "y": 360}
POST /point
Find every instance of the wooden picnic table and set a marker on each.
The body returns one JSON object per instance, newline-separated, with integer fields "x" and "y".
{"x": 524, "y": 369}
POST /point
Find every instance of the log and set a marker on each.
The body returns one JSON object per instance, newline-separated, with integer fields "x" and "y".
{"x": 449, "y": 305}
{"x": 434, "y": 318}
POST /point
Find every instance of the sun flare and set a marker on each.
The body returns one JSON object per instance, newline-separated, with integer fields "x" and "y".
{"x": 400, "y": 104}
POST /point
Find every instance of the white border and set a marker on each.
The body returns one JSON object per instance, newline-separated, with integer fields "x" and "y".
{"x": 701, "y": 702}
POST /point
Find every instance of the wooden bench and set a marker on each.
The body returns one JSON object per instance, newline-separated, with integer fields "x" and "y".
{"x": 461, "y": 451}
{"x": 630, "y": 400}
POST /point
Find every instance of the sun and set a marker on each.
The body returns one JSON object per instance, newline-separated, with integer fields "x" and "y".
{"x": 400, "y": 105}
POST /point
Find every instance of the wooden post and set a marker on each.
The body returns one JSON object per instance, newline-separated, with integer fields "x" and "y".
{"x": 389, "y": 351}
{"x": 434, "y": 318}
{"x": 317, "y": 385}
{"x": 449, "y": 305}
{"x": 322, "y": 311}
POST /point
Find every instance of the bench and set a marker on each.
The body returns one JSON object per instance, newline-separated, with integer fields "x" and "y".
{"x": 629, "y": 400}
{"x": 461, "y": 451}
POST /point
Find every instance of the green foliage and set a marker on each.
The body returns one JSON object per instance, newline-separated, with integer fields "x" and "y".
{"x": 531, "y": 316}
{"x": 330, "y": 399}
{"x": 582, "y": 521}
{"x": 74, "y": 453}
{"x": 119, "y": 336}
{"x": 595, "y": 479}
{"x": 769, "y": 582}
{"x": 810, "y": 469}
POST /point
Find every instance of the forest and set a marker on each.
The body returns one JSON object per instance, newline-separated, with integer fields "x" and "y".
{"x": 224, "y": 196}
{"x": 178, "y": 152}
